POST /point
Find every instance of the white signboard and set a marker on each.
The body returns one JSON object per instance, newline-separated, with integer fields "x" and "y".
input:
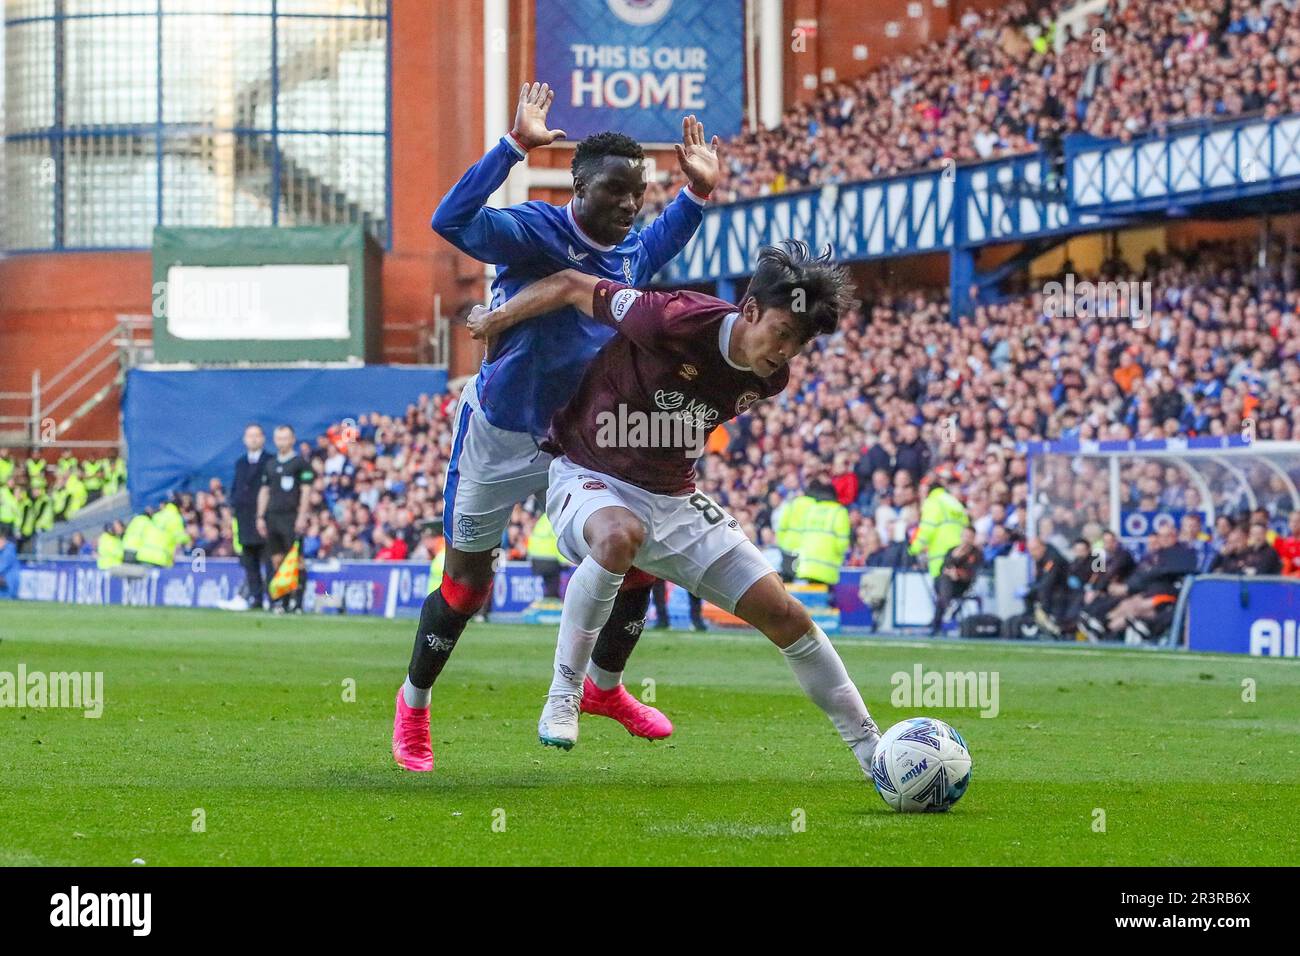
{"x": 277, "y": 303}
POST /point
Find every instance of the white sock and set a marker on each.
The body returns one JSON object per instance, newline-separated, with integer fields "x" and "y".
{"x": 605, "y": 680}
{"x": 821, "y": 674}
{"x": 417, "y": 697}
{"x": 587, "y": 605}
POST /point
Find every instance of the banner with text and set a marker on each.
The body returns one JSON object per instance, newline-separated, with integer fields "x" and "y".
{"x": 1234, "y": 614}
{"x": 375, "y": 588}
{"x": 638, "y": 66}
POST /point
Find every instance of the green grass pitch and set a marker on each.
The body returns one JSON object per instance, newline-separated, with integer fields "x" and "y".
{"x": 244, "y": 718}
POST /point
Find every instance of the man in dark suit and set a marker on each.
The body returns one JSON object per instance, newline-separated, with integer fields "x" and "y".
{"x": 249, "y": 469}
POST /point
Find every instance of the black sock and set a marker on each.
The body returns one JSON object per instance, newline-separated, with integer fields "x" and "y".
{"x": 621, "y": 632}
{"x": 440, "y": 628}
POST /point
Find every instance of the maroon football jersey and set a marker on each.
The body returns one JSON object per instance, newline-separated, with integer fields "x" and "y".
{"x": 652, "y": 395}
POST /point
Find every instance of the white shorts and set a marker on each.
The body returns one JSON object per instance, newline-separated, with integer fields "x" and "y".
{"x": 689, "y": 539}
{"x": 491, "y": 470}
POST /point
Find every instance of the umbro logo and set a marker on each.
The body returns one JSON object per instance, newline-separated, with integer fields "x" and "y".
{"x": 575, "y": 255}
{"x": 568, "y": 672}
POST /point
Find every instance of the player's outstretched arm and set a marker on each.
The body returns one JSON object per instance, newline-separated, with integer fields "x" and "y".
{"x": 497, "y": 236}
{"x": 667, "y": 235}
{"x": 564, "y": 288}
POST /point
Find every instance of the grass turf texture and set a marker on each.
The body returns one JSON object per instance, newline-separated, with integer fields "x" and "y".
{"x": 243, "y": 716}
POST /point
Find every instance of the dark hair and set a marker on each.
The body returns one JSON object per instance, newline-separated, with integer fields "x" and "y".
{"x": 593, "y": 149}
{"x": 289, "y": 427}
{"x": 814, "y": 290}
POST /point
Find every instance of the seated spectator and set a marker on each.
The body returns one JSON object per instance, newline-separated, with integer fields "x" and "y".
{"x": 1231, "y": 558}
{"x": 1048, "y": 598}
{"x": 1152, "y": 587}
{"x": 956, "y": 575}
{"x": 1260, "y": 557}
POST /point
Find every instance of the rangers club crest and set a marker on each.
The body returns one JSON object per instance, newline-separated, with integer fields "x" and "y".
{"x": 639, "y": 13}
{"x": 745, "y": 401}
{"x": 627, "y": 270}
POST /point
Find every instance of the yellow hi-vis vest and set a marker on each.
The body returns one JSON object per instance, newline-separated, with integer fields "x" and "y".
{"x": 108, "y": 551}
{"x": 942, "y": 518}
{"x": 169, "y": 519}
{"x": 91, "y": 473}
{"x": 6, "y": 469}
{"x": 77, "y": 495}
{"x": 9, "y": 509}
{"x": 133, "y": 537}
{"x": 823, "y": 543}
{"x": 789, "y": 526}
{"x": 542, "y": 543}
{"x": 156, "y": 548}
{"x": 40, "y": 515}
{"x": 435, "y": 571}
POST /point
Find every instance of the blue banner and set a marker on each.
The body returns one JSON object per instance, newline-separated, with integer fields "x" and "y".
{"x": 186, "y": 427}
{"x": 1243, "y": 615}
{"x": 374, "y": 588}
{"x": 638, "y": 66}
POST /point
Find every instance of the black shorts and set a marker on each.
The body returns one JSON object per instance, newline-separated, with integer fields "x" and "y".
{"x": 280, "y": 534}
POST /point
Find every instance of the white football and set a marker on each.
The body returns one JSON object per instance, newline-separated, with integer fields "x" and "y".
{"x": 921, "y": 765}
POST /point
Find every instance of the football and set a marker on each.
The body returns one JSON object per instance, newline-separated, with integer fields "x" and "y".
{"x": 921, "y": 766}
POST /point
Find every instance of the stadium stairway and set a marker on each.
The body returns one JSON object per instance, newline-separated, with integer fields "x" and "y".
{"x": 90, "y": 521}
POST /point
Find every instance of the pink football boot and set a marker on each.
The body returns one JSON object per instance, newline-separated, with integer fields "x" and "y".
{"x": 411, "y": 748}
{"x": 641, "y": 720}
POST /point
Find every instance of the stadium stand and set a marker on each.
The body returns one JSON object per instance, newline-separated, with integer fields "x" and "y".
{"x": 999, "y": 85}
{"x": 898, "y": 390}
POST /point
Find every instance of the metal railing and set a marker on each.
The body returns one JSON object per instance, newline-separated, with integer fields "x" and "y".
{"x": 54, "y": 405}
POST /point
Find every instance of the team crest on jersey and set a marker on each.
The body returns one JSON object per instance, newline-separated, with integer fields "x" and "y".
{"x": 621, "y": 302}
{"x": 627, "y": 270}
{"x": 688, "y": 371}
{"x": 466, "y": 527}
{"x": 594, "y": 484}
{"x": 746, "y": 400}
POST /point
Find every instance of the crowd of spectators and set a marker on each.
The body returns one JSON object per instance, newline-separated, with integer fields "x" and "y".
{"x": 996, "y": 85}
{"x": 896, "y": 391}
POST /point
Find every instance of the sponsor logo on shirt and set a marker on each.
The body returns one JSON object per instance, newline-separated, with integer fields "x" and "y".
{"x": 575, "y": 255}
{"x": 621, "y": 302}
{"x": 669, "y": 401}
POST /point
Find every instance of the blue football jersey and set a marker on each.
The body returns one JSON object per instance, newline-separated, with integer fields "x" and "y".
{"x": 536, "y": 366}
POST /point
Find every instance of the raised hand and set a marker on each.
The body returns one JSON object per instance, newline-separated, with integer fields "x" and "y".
{"x": 698, "y": 159}
{"x": 530, "y": 129}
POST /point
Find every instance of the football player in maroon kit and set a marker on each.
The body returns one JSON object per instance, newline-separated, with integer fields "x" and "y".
{"x": 622, "y": 485}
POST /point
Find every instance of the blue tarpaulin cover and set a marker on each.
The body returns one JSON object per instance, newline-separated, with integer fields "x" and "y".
{"x": 184, "y": 427}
